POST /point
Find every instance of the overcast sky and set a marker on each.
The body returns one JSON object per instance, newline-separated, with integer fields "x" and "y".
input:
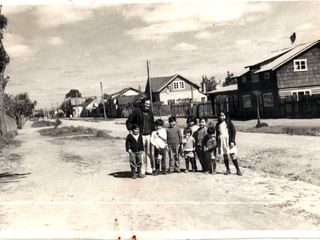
{"x": 55, "y": 48}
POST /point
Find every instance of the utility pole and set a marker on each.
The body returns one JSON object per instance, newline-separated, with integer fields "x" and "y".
{"x": 150, "y": 90}
{"x": 65, "y": 108}
{"x": 104, "y": 109}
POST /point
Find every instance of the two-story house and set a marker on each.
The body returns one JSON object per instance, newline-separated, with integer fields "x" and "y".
{"x": 293, "y": 73}
{"x": 174, "y": 89}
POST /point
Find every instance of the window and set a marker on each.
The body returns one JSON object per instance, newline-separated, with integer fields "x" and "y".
{"x": 254, "y": 77}
{"x": 266, "y": 75}
{"x": 178, "y": 85}
{"x": 268, "y": 99}
{"x": 243, "y": 79}
{"x": 246, "y": 101}
{"x": 170, "y": 87}
{"x": 300, "y": 65}
{"x": 298, "y": 94}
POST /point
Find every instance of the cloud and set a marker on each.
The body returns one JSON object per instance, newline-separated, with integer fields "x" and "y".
{"x": 19, "y": 51}
{"x": 55, "y": 41}
{"x": 55, "y": 15}
{"x": 165, "y": 19}
{"x": 184, "y": 47}
{"x": 204, "y": 35}
{"x": 12, "y": 39}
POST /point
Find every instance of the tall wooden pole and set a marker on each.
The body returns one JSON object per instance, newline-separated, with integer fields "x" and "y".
{"x": 150, "y": 90}
{"x": 104, "y": 108}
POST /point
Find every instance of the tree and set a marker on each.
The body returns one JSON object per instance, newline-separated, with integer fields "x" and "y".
{"x": 4, "y": 61}
{"x": 67, "y": 108}
{"x": 73, "y": 93}
{"x": 209, "y": 84}
{"x": 229, "y": 80}
{"x": 24, "y": 105}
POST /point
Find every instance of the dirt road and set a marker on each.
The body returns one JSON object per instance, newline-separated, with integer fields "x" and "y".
{"x": 82, "y": 188}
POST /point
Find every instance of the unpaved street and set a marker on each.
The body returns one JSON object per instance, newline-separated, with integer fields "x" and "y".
{"x": 81, "y": 187}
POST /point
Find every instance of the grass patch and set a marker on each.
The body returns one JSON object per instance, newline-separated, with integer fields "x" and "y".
{"x": 76, "y": 131}
{"x": 294, "y": 130}
{"x": 42, "y": 123}
{"x": 9, "y": 142}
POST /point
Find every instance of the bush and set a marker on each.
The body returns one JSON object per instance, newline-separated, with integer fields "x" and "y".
{"x": 57, "y": 123}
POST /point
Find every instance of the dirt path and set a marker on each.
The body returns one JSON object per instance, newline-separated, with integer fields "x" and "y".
{"x": 75, "y": 188}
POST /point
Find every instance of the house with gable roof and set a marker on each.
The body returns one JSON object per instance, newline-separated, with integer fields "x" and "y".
{"x": 291, "y": 75}
{"x": 174, "y": 89}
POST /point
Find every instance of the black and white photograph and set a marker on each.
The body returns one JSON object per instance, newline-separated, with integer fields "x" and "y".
{"x": 159, "y": 119}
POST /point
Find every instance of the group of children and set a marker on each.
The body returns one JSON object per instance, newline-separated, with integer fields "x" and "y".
{"x": 200, "y": 142}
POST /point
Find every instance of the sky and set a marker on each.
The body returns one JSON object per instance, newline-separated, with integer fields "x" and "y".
{"x": 54, "y": 48}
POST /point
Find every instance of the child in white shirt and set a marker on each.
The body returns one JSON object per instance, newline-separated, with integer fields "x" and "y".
{"x": 159, "y": 141}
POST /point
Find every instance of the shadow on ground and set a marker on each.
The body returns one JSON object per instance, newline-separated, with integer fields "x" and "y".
{"x": 125, "y": 174}
{"x": 12, "y": 177}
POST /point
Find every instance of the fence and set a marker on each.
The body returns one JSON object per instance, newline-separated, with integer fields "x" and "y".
{"x": 300, "y": 106}
{"x": 10, "y": 124}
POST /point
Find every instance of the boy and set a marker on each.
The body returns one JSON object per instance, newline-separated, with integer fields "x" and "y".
{"x": 209, "y": 147}
{"x": 174, "y": 139}
{"x": 159, "y": 141}
{"x": 189, "y": 146}
{"x": 134, "y": 146}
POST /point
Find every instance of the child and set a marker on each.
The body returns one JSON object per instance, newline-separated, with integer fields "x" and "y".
{"x": 188, "y": 149}
{"x": 192, "y": 124}
{"x": 134, "y": 147}
{"x": 198, "y": 136}
{"x": 159, "y": 141}
{"x": 210, "y": 144}
{"x": 174, "y": 139}
{"x": 226, "y": 134}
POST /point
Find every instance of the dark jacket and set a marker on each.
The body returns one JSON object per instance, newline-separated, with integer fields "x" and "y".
{"x": 210, "y": 143}
{"x": 231, "y": 132}
{"x": 133, "y": 144}
{"x": 136, "y": 117}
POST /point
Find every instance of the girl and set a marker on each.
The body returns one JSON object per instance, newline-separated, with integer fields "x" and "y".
{"x": 225, "y": 135}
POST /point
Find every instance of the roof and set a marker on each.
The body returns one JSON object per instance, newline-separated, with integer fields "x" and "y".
{"x": 126, "y": 99}
{"x": 77, "y": 101}
{"x": 94, "y": 104}
{"x": 233, "y": 87}
{"x": 158, "y": 83}
{"x": 287, "y": 56}
{"x": 123, "y": 91}
{"x": 239, "y": 74}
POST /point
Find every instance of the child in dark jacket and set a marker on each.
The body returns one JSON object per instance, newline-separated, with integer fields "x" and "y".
{"x": 134, "y": 147}
{"x": 209, "y": 147}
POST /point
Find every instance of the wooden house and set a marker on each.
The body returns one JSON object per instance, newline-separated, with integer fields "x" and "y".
{"x": 174, "y": 89}
{"x": 268, "y": 85}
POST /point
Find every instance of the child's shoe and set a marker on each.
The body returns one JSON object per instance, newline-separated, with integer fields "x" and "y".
{"x": 239, "y": 173}
{"x": 140, "y": 175}
{"x": 227, "y": 172}
{"x": 186, "y": 171}
{"x": 156, "y": 173}
{"x": 214, "y": 172}
{"x": 164, "y": 172}
{"x": 206, "y": 172}
{"x": 134, "y": 176}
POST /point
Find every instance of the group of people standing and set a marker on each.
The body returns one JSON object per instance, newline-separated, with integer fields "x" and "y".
{"x": 149, "y": 143}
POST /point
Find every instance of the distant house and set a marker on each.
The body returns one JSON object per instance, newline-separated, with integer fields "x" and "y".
{"x": 174, "y": 89}
{"x": 282, "y": 84}
{"x": 77, "y": 105}
{"x": 121, "y": 102}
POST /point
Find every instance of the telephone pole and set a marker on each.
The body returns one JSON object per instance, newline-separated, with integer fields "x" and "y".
{"x": 150, "y": 90}
{"x": 104, "y": 109}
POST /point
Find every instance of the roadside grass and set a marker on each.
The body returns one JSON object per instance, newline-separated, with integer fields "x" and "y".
{"x": 277, "y": 162}
{"x": 9, "y": 162}
{"x": 42, "y": 123}
{"x": 78, "y": 133}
